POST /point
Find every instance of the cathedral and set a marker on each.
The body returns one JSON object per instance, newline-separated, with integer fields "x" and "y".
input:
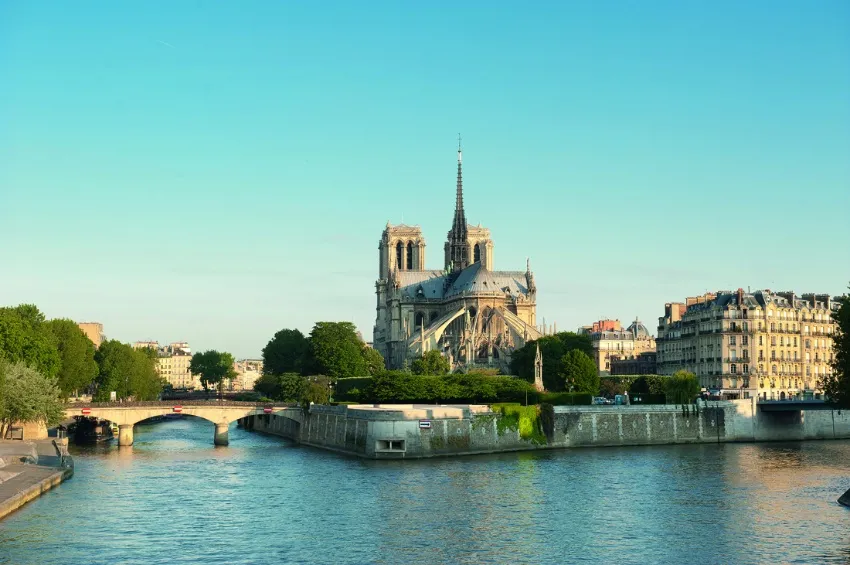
{"x": 471, "y": 314}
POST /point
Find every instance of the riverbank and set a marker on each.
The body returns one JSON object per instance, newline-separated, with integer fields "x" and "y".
{"x": 421, "y": 431}
{"x": 28, "y": 469}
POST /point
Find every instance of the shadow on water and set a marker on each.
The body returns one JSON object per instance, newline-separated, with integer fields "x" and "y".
{"x": 262, "y": 499}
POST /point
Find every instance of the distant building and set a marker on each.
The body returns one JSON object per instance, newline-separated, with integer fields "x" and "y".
{"x": 643, "y": 364}
{"x": 247, "y": 373}
{"x": 772, "y": 344}
{"x": 610, "y": 341}
{"x": 173, "y": 362}
{"x": 93, "y": 331}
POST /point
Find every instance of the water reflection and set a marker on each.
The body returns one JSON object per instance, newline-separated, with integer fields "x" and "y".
{"x": 175, "y": 498}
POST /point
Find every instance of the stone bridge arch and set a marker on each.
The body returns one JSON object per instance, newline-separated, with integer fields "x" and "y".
{"x": 127, "y": 415}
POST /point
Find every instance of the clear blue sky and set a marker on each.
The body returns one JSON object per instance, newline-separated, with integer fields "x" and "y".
{"x": 215, "y": 171}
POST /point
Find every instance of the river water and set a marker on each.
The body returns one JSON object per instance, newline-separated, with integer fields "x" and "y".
{"x": 175, "y": 498}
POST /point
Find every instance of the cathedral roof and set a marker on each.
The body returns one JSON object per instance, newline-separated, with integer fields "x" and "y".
{"x": 471, "y": 280}
{"x": 476, "y": 278}
{"x": 639, "y": 330}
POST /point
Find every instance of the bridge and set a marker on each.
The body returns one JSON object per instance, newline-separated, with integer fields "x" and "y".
{"x": 222, "y": 413}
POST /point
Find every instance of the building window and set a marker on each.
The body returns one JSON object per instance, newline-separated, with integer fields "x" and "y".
{"x": 745, "y": 340}
{"x": 773, "y": 340}
{"x": 733, "y": 368}
{"x": 746, "y": 369}
{"x": 772, "y": 326}
{"x": 773, "y": 369}
{"x": 808, "y": 344}
{"x": 476, "y": 253}
{"x": 409, "y": 255}
{"x": 398, "y": 253}
{"x": 731, "y": 340}
{"x": 773, "y": 355}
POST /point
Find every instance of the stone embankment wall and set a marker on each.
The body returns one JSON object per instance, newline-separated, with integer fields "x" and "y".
{"x": 408, "y": 431}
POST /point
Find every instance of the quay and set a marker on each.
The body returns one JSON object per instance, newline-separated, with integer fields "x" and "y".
{"x": 28, "y": 469}
{"x": 420, "y": 431}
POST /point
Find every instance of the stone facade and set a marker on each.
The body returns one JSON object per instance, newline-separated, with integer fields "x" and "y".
{"x": 611, "y": 342}
{"x": 472, "y": 314}
{"x": 740, "y": 344}
{"x": 247, "y": 373}
{"x": 93, "y": 331}
{"x": 173, "y": 362}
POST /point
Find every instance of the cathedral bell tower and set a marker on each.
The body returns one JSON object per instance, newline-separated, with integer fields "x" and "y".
{"x": 457, "y": 245}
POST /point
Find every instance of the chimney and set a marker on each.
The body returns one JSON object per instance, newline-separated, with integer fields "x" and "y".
{"x": 740, "y": 296}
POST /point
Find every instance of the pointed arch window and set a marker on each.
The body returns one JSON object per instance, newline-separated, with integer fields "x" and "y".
{"x": 398, "y": 253}
{"x": 409, "y": 255}
{"x": 476, "y": 253}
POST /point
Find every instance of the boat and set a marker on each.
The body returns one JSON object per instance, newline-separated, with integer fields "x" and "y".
{"x": 89, "y": 430}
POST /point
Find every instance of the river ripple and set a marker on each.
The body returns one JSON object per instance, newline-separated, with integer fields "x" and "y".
{"x": 174, "y": 498}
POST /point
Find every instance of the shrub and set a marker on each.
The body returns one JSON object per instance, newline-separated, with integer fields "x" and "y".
{"x": 394, "y": 386}
{"x": 525, "y": 419}
{"x": 351, "y": 388}
{"x": 566, "y": 398}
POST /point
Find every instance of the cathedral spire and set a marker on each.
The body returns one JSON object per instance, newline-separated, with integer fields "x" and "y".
{"x": 458, "y": 257}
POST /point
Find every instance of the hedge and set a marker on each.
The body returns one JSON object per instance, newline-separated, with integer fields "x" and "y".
{"x": 449, "y": 389}
{"x": 567, "y": 398}
{"x": 351, "y": 388}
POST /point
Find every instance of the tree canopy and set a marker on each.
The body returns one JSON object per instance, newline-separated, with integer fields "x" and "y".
{"x": 214, "y": 367}
{"x": 335, "y": 351}
{"x": 682, "y": 387}
{"x": 28, "y": 396}
{"x": 374, "y": 361}
{"x": 432, "y": 363}
{"x": 288, "y": 387}
{"x": 579, "y": 371}
{"x": 128, "y": 372}
{"x": 78, "y": 368}
{"x": 552, "y": 348}
{"x": 24, "y": 337}
{"x": 285, "y": 352}
{"x": 836, "y": 386}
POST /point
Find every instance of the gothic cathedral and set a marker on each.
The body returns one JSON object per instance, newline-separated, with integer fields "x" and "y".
{"x": 473, "y": 315}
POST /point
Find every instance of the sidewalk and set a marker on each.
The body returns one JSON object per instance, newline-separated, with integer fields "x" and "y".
{"x": 22, "y": 479}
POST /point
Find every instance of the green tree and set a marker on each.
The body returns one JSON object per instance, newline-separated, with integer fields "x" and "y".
{"x": 374, "y": 360}
{"x": 318, "y": 390}
{"x": 78, "y": 369}
{"x": 285, "y": 352}
{"x": 335, "y": 351}
{"x": 682, "y": 387}
{"x": 25, "y": 338}
{"x": 552, "y": 348}
{"x": 126, "y": 371}
{"x": 579, "y": 372}
{"x": 836, "y": 385}
{"x": 145, "y": 381}
{"x": 214, "y": 367}
{"x": 432, "y": 363}
{"x": 115, "y": 365}
{"x": 28, "y": 396}
{"x": 288, "y": 387}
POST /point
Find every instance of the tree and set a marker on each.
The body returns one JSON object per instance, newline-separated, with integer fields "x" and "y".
{"x": 579, "y": 372}
{"x": 24, "y": 338}
{"x": 214, "y": 367}
{"x": 289, "y": 387}
{"x": 682, "y": 387}
{"x": 374, "y": 360}
{"x": 836, "y": 385}
{"x": 78, "y": 368}
{"x": 432, "y": 363}
{"x": 552, "y": 348}
{"x": 126, "y": 371}
{"x": 28, "y": 396}
{"x": 285, "y": 352}
{"x": 335, "y": 351}
{"x": 145, "y": 382}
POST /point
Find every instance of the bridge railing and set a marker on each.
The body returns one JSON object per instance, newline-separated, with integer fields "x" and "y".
{"x": 169, "y": 403}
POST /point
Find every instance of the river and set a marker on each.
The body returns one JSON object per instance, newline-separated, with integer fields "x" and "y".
{"x": 175, "y": 498}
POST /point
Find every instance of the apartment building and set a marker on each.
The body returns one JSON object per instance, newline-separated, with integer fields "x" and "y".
{"x": 173, "y": 362}
{"x": 776, "y": 345}
{"x": 613, "y": 343}
{"x": 93, "y": 331}
{"x": 247, "y": 373}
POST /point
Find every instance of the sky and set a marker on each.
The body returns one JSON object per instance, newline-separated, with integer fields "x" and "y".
{"x": 216, "y": 171}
